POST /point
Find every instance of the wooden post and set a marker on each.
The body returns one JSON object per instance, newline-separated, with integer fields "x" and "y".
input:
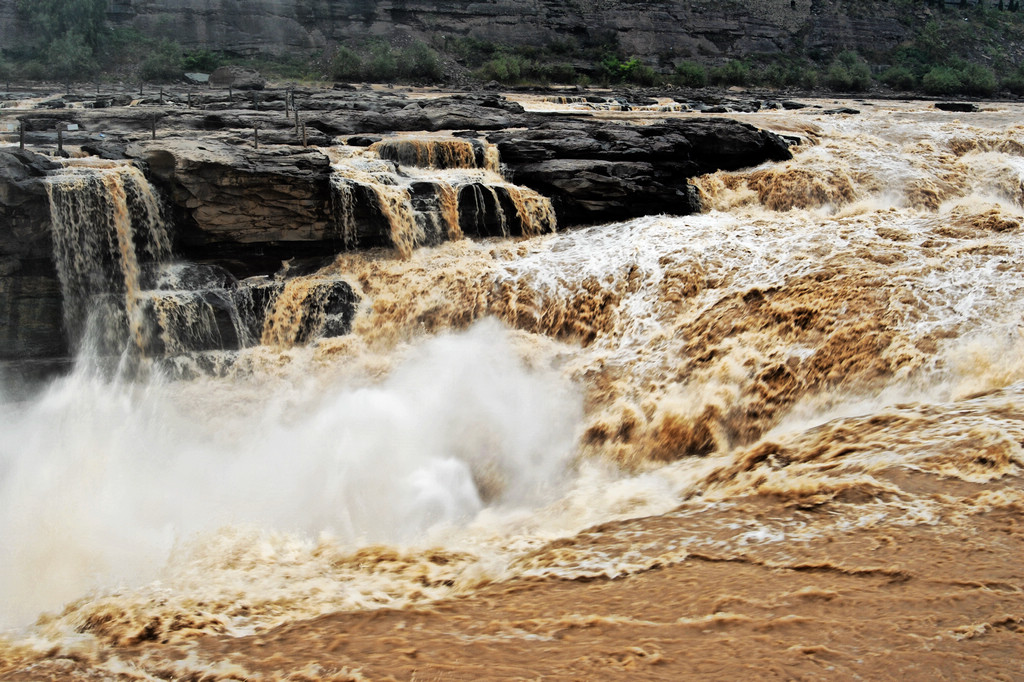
{"x": 60, "y": 140}
{"x": 21, "y": 135}
{"x": 140, "y": 88}
{"x": 231, "y": 94}
{"x": 303, "y": 134}
{"x": 256, "y": 137}
{"x": 287, "y": 112}
{"x": 153, "y": 123}
{"x": 296, "y": 121}
{"x": 255, "y": 100}
{"x": 161, "y": 95}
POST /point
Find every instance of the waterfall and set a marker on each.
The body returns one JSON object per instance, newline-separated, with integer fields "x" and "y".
{"x": 425, "y": 191}
{"x": 107, "y": 223}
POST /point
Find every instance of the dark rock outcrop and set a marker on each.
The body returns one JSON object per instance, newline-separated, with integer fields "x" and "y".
{"x": 597, "y": 171}
{"x": 31, "y": 322}
{"x": 960, "y": 107}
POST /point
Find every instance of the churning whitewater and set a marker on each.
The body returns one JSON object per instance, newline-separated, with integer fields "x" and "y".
{"x": 723, "y": 430}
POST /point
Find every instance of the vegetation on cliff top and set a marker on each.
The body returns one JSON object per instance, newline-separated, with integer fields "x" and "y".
{"x": 956, "y": 51}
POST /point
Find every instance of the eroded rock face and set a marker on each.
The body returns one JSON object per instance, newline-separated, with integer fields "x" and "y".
{"x": 224, "y": 193}
{"x": 31, "y": 322}
{"x": 681, "y": 29}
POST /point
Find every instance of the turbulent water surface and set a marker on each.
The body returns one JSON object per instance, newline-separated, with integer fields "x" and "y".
{"x": 781, "y": 438}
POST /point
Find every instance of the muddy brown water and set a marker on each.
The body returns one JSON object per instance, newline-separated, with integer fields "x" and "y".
{"x": 781, "y": 439}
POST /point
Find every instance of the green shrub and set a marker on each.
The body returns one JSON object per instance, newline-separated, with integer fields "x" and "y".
{"x": 690, "y": 75}
{"x": 611, "y": 69}
{"x": 203, "y": 61}
{"x": 163, "y": 63}
{"x": 640, "y": 73}
{"x": 976, "y": 79}
{"x": 941, "y": 80}
{"x": 805, "y": 77}
{"x": 561, "y": 73}
{"x": 774, "y": 75}
{"x": 70, "y": 57}
{"x": 505, "y": 68}
{"x": 1015, "y": 82}
{"x": 899, "y": 78}
{"x": 346, "y": 64}
{"x": 381, "y": 65}
{"x": 733, "y": 73}
{"x": 848, "y": 72}
{"x": 418, "y": 61}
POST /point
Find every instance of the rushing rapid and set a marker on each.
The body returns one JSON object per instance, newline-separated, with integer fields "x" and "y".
{"x": 772, "y": 428}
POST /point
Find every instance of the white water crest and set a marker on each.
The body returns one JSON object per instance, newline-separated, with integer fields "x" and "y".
{"x": 100, "y": 480}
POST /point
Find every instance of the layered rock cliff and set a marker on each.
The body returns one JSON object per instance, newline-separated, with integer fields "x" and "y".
{"x": 657, "y": 30}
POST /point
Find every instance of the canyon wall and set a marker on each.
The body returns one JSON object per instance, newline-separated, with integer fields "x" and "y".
{"x": 659, "y": 31}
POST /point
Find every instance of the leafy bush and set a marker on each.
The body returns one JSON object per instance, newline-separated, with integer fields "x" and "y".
{"x": 70, "y": 57}
{"x": 899, "y": 78}
{"x": 690, "y": 75}
{"x": 1015, "y": 82}
{"x": 941, "y": 80}
{"x": 976, "y": 79}
{"x": 418, "y": 61}
{"x": 203, "y": 61}
{"x": 849, "y": 72}
{"x": 505, "y": 68}
{"x": 563, "y": 73}
{"x": 381, "y": 65}
{"x": 611, "y": 69}
{"x": 163, "y": 63}
{"x": 733, "y": 73}
{"x": 346, "y": 64}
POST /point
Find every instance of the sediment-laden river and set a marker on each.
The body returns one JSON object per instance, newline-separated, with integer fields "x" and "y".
{"x": 782, "y": 438}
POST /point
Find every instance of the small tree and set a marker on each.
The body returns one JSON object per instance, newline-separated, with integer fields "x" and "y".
{"x": 163, "y": 63}
{"x": 941, "y": 80}
{"x": 734, "y": 72}
{"x": 691, "y": 75}
{"x": 419, "y": 61}
{"x": 70, "y": 57}
{"x": 849, "y": 72}
{"x": 346, "y": 65}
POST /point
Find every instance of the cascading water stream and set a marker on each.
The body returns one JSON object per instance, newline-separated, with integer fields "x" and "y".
{"x": 432, "y": 190}
{"x": 106, "y": 222}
